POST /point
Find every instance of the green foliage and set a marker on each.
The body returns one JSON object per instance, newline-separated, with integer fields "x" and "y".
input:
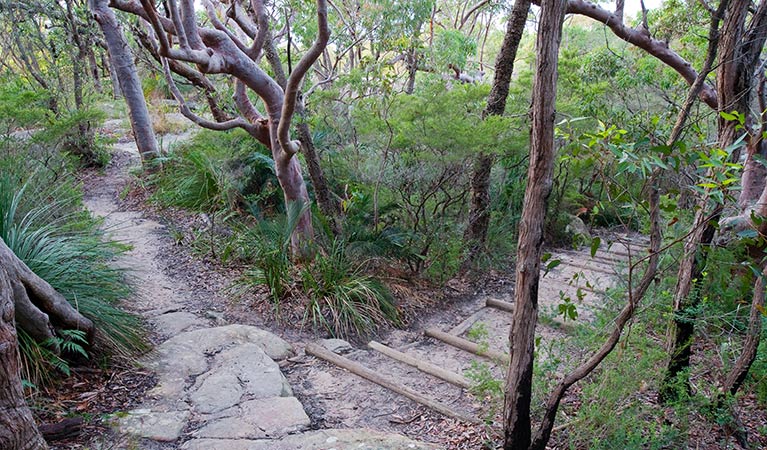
{"x": 421, "y": 186}
{"x": 42, "y": 222}
{"x": 485, "y": 386}
{"x": 395, "y": 24}
{"x": 267, "y": 249}
{"x": 68, "y": 131}
{"x": 20, "y": 107}
{"x": 336, "y": 292}
{"x": 342, "y": 299}
{"x": 452, "y": 47}
{"x": 72, "y": 133}
{"x": 219, "y": 171}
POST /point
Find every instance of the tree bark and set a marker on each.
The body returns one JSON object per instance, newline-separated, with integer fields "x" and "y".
{"x": 738, "y": 373}
{"x": 106, "y": 62}
{"x": 82, "y": 144}
{"x": 475, "y": 236}
{"x": 130, "y": 85}
{"x": 519, "y": 378}
{"x": 40, "y": 310}
{"x": 94, "y": 69}
{"x": 686, "y": 302}
{"x": 412, "y": 70}
{"x": 734, "y": 92}
{"x": 325, "y": 201}
{"x": 17, "y": 427}
{"x": 329, "y": 207}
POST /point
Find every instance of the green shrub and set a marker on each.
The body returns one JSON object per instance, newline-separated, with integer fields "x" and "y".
{"x": 219, "y": 171}
{"x": 342, "y": 299}
{"x": 336, "y": 292}
{"x": 266, "y": 248}
{"x": 43, "y": 224}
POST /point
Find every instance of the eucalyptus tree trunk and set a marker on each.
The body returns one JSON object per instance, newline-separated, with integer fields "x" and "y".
{"x": 17, "y": 427}
{"x": 235, "y": 48}
{"x": 94, "y": 68}
{"x": 329, "y": 207}
{"x": 130, "y": 85}
{"x": 475, "y": 235}
{"x": 519, "y": 378}
{"x": 108, "y": 65}
{"x": 739, "y": 50}
{"x": 83, "y": 144}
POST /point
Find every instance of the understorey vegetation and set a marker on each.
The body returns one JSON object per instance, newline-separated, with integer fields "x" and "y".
{"x": 351, "y": 162}
{"x": 44, "y": 223}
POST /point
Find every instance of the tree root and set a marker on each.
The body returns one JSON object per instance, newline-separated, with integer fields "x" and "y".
{"x": 40, "y": 309}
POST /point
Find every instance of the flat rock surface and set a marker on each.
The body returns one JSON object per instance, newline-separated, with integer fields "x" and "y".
{"x": 347, "y": 439}
{"x": 210, "y": 370}
{"x": 218, "y": 385}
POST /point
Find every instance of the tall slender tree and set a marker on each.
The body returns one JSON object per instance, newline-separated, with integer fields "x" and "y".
{"x": 519, "y": 378}
{"x": 235, "y": 48}
{"x": 121, "y": 57}
{"x": 479, "y": 215}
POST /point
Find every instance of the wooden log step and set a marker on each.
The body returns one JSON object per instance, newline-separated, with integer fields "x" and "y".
{"x": 499, "y": 304}
{"x": 567, "y": 327}
{"x": 468, "y": 346}
{"x": 67, "y": 428}
{"x": 466, "y": 323}
{"x": 362, "y": 371}
{"x": 423, "y": 366}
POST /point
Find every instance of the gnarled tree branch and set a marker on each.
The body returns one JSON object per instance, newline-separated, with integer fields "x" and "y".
{"x": 642, "y": 39}
{"x": 295, "y": 78}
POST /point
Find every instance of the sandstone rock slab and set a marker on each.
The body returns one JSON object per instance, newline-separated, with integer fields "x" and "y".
{"x": 154, "y": 425}
{"x": 241, "y": 373}
{"x": 349, "y": 439}
{"x": 338, "y": 346}
{"x": 257, "y": 419}
{"x": 173, "y": 323}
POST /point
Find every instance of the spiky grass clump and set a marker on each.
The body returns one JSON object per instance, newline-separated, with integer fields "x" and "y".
{"x": 343, "y": 299}
{"x": 217, "y": 171}
{"x": 63, "y": 246}
{"x": 337, "y": 293}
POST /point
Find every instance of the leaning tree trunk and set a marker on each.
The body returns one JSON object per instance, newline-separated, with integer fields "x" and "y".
{"x": 519, "y": 378}
{"x": 475, "y": 236}
{"x": 734, "y": 91}
{"x": 325, "y": 200}
{"x": 130, "y": 85}
{"x": 40, "y": 310}
{"x": 17, "y": 427}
